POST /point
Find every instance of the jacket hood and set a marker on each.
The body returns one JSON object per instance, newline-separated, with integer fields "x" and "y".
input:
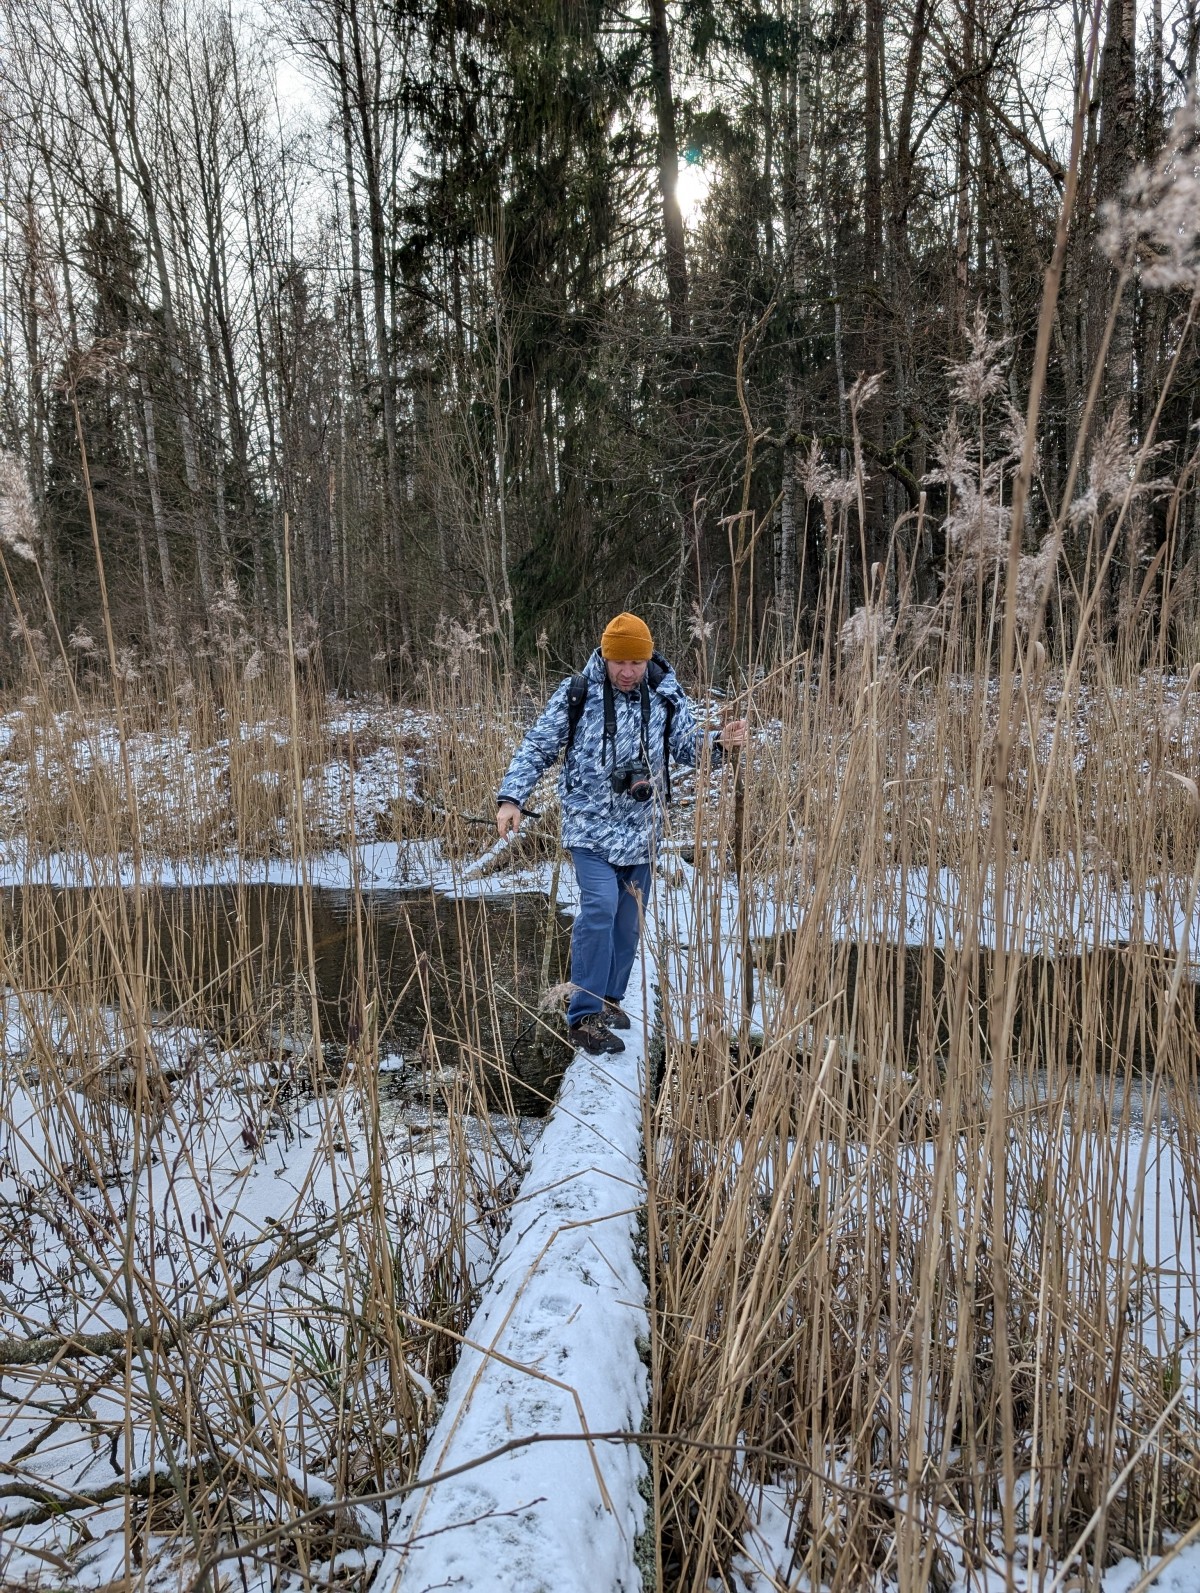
{"x": 595, "y": 670}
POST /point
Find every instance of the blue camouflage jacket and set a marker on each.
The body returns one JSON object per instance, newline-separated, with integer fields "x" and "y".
{"x": 594, "y": 818}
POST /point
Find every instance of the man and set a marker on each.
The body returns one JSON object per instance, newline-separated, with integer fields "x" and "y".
{"x": 619, "y": 721}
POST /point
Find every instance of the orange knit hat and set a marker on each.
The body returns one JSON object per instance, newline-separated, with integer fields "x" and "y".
{"x": 626, "y": 640}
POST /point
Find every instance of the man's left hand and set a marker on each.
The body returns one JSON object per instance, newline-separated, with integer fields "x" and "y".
{"x": 733, "y": 734}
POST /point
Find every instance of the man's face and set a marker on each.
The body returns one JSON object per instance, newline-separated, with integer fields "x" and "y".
{"x": 625, "y": 676}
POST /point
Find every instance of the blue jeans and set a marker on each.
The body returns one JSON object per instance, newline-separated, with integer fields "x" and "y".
{"x": 605, "y": 935}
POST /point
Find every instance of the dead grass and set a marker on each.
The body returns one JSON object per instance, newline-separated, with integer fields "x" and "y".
{"x": 900, "y": 1245}
{"x": 139, "y": 1097}
{"x": 925, "y": 1219}
{"x": 922, "y": 1222}
{"x": 893, "y": 1216}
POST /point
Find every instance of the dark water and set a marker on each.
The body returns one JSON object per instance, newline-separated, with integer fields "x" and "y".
{"x": 1101, "y": 1007}
{"x": 447, "y": 984}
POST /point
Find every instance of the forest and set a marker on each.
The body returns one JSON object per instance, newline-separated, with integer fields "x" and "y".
{"x": 471, "y": 323}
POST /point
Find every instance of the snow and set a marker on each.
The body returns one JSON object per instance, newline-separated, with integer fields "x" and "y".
{"x": 552, "y": 1352}
{"x": 1156, "y": 1252}
{"x": 535, "y": 1516}
{"x": 764, "y": 1564}
{"x": 1052, "y": 908}
{"x": 556, "y": 1337}
{"x": 513, "y": 1494}
{"x": 231, "y": 1197}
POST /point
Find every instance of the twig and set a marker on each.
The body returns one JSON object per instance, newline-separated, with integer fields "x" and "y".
{"x": 78, "y": 1346}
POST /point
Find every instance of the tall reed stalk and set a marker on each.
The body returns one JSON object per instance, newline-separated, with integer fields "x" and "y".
{"x": 926, "y": 1215}
{"x": 253, "y": 1366}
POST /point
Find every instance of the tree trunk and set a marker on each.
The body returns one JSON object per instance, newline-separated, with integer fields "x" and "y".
{"x": 874, "y": 358}
{"x": 962, "y": 201}
{"x": 363, "y": 92}
{"x": 359, "y": 322}
{"x": 140, "y": 519}
{"x": 1114, "y": 160}
{"x": 900, "y": 264}
{"x": 150, "y": 443}
{"x": 668, "y": 167}
{"x": 793, "y": 506}
{"x": 872, "y": 165}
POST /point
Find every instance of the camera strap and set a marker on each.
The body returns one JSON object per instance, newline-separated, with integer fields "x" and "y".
{"x": 610, "y": 722}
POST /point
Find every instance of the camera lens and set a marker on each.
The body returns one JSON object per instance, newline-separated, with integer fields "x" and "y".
{"x": 640, "y": 787}
{"x": 634, "y": 779}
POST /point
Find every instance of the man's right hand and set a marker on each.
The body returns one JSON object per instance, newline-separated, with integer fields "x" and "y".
{"x": 508, "y": 819}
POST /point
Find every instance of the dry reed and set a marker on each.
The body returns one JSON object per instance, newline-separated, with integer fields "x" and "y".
{"x": 253, "y": 1365}
{"x": 925, "y": 1215}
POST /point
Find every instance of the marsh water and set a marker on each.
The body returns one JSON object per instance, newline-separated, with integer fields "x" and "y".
{"x": 445, "y": 984}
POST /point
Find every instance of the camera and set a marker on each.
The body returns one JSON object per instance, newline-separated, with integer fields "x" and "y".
{"x": 633, "y": 778}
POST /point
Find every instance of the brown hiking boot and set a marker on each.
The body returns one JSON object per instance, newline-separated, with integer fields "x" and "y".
{"x": 590, "y": 1035}
{"x": 614, "y": 1016}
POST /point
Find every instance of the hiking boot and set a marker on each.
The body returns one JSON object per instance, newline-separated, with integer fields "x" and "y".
{"x": 614, "y": 1017}
{"x": 590, "y": 1035}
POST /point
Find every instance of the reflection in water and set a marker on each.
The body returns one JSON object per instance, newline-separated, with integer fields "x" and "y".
{"x": 438, "y": 980}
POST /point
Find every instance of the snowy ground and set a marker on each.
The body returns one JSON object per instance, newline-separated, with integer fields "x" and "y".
{"x": 1160, "y": 1252}
{"x": 238, "y": 1197}
{"x": 553, "y": 1353}
{"x": 242, "y": 1216}
{"x": 521, "y": 1536}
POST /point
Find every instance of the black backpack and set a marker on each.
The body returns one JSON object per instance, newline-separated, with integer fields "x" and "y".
{"x": 577, "y": 691}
